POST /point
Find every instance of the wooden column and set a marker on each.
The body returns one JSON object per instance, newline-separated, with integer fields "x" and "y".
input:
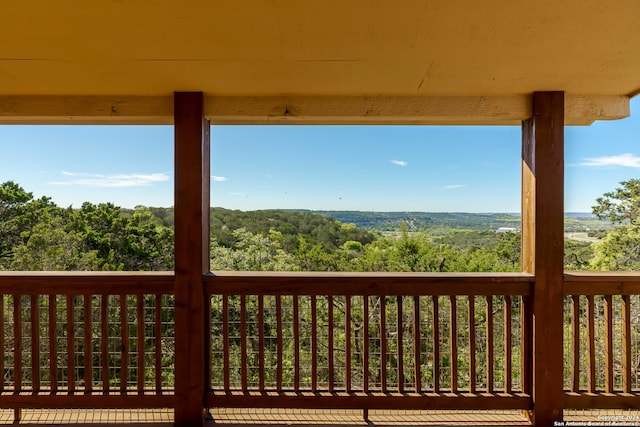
{"x": 191, "y": 255}
{"x": 543, "y": 249}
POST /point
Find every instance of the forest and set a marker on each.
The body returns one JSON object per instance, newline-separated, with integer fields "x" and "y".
{"x": 36, "y": 234}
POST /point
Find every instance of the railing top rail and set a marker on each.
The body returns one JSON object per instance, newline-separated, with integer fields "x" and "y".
{"x": 302, "y": 283}
{"x": 77, "y": 283}
{"x": 602, "y": 283}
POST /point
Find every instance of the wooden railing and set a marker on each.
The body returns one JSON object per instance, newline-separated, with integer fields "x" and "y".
{"x": 99, "y": 340}
{"x": 369, "y": 341}
{"x": 602, "y": 340}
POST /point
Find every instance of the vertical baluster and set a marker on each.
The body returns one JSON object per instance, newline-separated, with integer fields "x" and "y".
{"x": 226, "y": 341}
{"x": 124, "y": 353}
{"x": 489, "y": 343}
{"x": 158, "y": 343}
{"x": 140, "y": 368}
{"x": 383, "y": 343}
{"x": 472, "y": 343}
{"x": 88, "y": 345}
{"x": 17, "y": 338}
{"x": 436, "y": 344}
{"x": 453, "y": 343}
{"x": 526, "y": 320}
{"x": 261, "y": 342}
{"x": 608, "y": 322}
{"x": 35, "y": 342}
{"x": 507, "y": 345}
{"x": 104, "y": 341}
{"x": 2, "y": 343}
{"x": 347, "y": 343}
{"x": 53, "y": 345}
{"x": 592, "y": 349}
{"x": 208, "y": 343}
{"x": 626, "y": 343}
{"x": 417, "y": 358}
{"x": 365, "y": 343}
{"x": 296, "y": 344}
{"x": 314, "y": 344}
{"x": 243, "y": 342}
{"x": 575, "y": 325}
{"x": 279, "y": 341}
{"x": 330, "y": 341}
{"x": 71, "y": 350}
{"x": 400, "y": 362}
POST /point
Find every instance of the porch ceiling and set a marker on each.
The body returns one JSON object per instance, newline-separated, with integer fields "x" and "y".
{"x": 332, "y": 47}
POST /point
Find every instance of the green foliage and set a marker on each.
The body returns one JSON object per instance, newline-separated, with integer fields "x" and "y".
{"x": 620, "y": 205}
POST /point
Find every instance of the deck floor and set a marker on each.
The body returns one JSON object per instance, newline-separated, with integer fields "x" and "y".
{"x": 288, "y": 417}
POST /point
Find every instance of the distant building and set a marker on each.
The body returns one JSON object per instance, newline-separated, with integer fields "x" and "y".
{"x": 507, "y": 230}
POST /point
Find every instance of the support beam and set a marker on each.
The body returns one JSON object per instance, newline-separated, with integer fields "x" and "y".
{"x": 191, "y": 255}
{"x": 542, "y": 247}
{"x": 239, "y": 110}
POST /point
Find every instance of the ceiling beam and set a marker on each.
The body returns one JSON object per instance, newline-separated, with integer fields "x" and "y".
{"x": 241, "y": 110}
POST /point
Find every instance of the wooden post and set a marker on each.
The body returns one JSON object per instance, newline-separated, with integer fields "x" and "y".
{"x": 543, "y": 249}
{"x": 191, "y": 255}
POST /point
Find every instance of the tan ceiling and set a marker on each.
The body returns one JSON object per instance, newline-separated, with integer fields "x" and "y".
{"x": 328, "y": 47}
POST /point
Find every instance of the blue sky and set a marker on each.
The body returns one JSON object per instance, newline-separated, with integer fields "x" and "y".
{"x": 369, "y": 168}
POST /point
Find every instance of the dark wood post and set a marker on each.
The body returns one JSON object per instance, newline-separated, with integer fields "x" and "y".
{"x": 191, "y": 255}
{"x": 543, "y": 248}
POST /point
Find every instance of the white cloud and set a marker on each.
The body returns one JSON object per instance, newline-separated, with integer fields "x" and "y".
{"x": 626, "y": 160}
{"x": 117, "y": 180}
{"x": 452, "y": 186}
{"x": 399, "y": 162}
{"x": 218, "y": 178}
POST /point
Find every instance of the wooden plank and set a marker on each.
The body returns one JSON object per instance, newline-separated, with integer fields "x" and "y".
{"x": 84, "y": 400}
{"x": 591, "y": 377}
{"x": 453, "y": 343}
{"x": 356, "y": 110}
{"x": 104, "y": 341}
{"x": 417, "y": 344}
{"x": 71, "y": 348}
{"x": 526, "y": 319}
{"x": 575, "y": 328}
{"x": 472, "y": 343}
{"x": 601, "y": 287}
{"x": 436, "y": 344}
{"x": 371, "y": 284}
{"x": 88, "y": 343}
{"x": 399, "y": 330}
{"x": 543, "y": 251}
{"x": 35, "y": 341}
{"x": 589, "y": 401}
{"x": 244, "y": 110}
{"x": 489, "y": 330}
{"x": 627, "y": 381}
{"x": 71, "y": 283}
{"x": 403, "y": 401}
{"x": 191, "y": 213}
